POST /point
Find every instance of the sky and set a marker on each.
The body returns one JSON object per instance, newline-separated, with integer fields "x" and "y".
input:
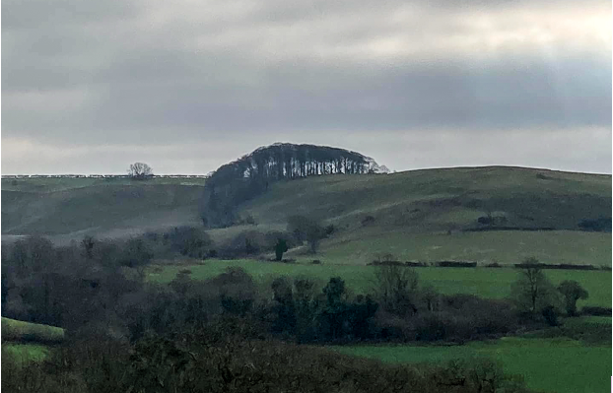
{"x": 186, "y": 86}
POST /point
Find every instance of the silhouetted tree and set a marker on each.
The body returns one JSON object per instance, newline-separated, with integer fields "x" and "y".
{"x": 88, "y": 246}
{"x": 280, "y": 248}
{"x": 140, "y": 171}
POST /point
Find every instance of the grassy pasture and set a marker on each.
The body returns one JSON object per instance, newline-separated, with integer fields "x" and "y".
{"x": 24, "y": 353}
{"x": 45, "y": 185}
{"x": 503, "y": 247}
{"x": 13, "y": 330}
{"x": 550, "y": 365}
{"x": 483, "y": 282}
{"x": 441, "y": 199}
{"x": 411, "y": 212}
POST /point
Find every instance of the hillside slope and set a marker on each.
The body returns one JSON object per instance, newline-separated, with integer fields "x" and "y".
{"x": 99, "y": 209}
{"x": 433, "y": 214}
{"x": 428, "y": 215}
{"x": 442, "y": 199}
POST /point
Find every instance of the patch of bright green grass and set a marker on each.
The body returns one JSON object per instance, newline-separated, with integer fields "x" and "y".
{"x": 19, "y": 330}
{"x": 551, "y": 365}
{"x": 493, "y": 283}
{"x": 24, "y": 353}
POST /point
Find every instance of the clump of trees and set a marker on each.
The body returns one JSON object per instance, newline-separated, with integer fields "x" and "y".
{"x": 251, "y": 175}
{"x": 533, "y": 293}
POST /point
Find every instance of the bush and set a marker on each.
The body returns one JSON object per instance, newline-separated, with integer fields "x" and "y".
{"x": 601, "y": 224}
{"x": 596, "y": 311}
{"x": 367, "y": 220}
{"x": 135, "y": 253}
{"x": 189, "y": 241}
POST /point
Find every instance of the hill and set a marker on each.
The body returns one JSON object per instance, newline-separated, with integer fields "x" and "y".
{"x": 427, "y": 215}
{"x": 434, "y": 214}
{"x": 67, "y": 208}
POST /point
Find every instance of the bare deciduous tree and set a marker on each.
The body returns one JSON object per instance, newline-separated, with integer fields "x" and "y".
{"x": 533, "y": 291}
{"x": 397, "y": 289}
{"x": 140, "y": 170}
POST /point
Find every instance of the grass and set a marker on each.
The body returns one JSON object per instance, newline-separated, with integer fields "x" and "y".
{"x": 483, "y": 282}
{"x": 440, "y": 199}
{"x": 24, "y": 353}
{"x": 26, "y": 331}
{"x": 412, "y": 212}
{"x": 100, "y": 209}
{"x": 504, "y": 247}
{"x": 551, "y": 365}
{"x": 45, "y": 185}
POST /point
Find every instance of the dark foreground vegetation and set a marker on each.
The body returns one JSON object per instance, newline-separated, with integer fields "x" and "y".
{"x": 215, "y": 361}
{"x": 230, "y": 333}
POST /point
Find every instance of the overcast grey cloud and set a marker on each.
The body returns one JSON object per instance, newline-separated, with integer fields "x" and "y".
{"x": 88, "y": 87}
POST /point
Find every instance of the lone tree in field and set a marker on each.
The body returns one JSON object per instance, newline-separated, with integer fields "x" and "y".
{"x": 140, "y": 171}
{"x": 572, "y": 291}
{"x": 533, "y": 291}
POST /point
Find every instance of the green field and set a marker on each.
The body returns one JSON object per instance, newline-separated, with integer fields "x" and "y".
{"x": 13, "y": 330}
{"x": 23, "y": 353}
{"x": 503, "y": 247}
{"x": 113, "y": 210}
{"x": 494, "y": 283}
{"x": 549, "y": 365}
{"x": 46, "y": 185}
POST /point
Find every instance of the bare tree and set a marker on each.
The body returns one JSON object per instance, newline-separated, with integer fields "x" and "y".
{"x": 532, "y": 290}
{"x": 140, "y": 171}
{"x": 397, "y": 289}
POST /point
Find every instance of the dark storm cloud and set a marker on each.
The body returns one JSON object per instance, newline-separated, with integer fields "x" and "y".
{"x": 149, "y": 73}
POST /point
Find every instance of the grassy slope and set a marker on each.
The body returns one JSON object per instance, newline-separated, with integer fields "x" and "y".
{"x": 98, "y": 206}
{"x": 551, "y": 365}
{"x": 13, "y": 330}
{"x": 484, "y": 282}
{"x": 414, "y": 210}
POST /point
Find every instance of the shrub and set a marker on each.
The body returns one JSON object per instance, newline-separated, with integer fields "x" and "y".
{"x": 601, "y": 224}
{"x": 367, "y": 220}
{"x": 572, "y": 291}
{"x": 189, "y": 241}
{"x": 135, "y": 253}
{"x": 596, "y": 311}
